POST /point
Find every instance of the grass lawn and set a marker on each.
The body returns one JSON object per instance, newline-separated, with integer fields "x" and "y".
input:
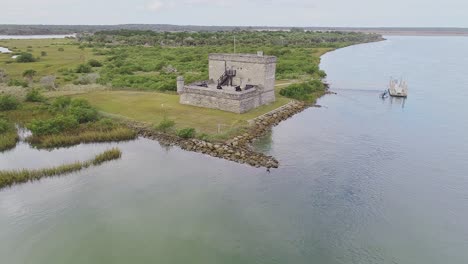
{"x": 151, "y": 107}
{"x": 50, "y": 64}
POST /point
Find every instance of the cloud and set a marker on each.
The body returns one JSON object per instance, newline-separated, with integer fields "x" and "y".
{"x": 155, "y": 5}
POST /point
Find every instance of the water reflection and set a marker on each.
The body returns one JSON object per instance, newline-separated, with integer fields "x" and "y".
{"x": 360, "y": 181}
{"x": 396, "y": 101}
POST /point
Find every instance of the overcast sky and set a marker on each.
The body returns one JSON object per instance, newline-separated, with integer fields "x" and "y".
{"x": 346, "y": 13}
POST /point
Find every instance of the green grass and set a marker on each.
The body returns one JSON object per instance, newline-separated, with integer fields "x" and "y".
{"x": 86, "y": 136}
{"x": 70, "y": 58}
{"x": 8, "y": 140}
{"x": 10, "y": 177}
{"x": 144, "y": 106}
{"x": 152, "y": 107}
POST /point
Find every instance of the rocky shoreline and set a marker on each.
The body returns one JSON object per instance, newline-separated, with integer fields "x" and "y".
{"x": 237, "y": 149}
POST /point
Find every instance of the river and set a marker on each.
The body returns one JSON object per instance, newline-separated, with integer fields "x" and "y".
{"x": 5, "y": 50}
{"x": 362, "y": 180}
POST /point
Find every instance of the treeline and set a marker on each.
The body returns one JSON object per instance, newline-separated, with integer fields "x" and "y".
{"x": 170, "y": 54}
{"x": 70, "y": 29}
{"x": 296, "y": 38}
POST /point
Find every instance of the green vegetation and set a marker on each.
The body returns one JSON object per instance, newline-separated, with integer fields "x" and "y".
{"x": 307, "y": 91}
{"x": 8, "y": 178}
{"x": 296, "y": 38}
{"x": 8, "y": 102}
{"x": 61, "y": 64}
{"x": 56, "y": 125}
{"x": 186, "y": 133}
{"x": 29, "y": 74}
{"x": 136, "y": 73}
{"x": 94, "y": 63}
{"x": 8, "y": 135}
{"x": 83, "y": 135}
{"x": 121, "y": 61}
{"x": 24, "y": 57}
{"x": 165, "y": 125}
{"x": 34, "y": 95}
{"x": 59, "y": 122}
{"x": 74, "y": 122}
{"x": 153, "y": 108}
{"x": 83, "y": 68}
{"x": 14, "y": 82}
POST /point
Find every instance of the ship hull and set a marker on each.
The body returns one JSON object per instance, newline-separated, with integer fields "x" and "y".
{"x": 396, "y": 94}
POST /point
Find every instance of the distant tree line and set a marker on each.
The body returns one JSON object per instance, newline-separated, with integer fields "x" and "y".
{"x": 296, "y": 38}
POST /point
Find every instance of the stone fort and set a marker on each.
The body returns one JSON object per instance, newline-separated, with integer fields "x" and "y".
{"x": 237, "y": 83}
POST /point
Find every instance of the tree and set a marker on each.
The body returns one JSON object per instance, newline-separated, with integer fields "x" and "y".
{"x": 29, "y": 75}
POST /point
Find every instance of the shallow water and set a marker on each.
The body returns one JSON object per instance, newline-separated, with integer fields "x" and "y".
{"x": 35, "y": 36}
{"x": 362, "y": 180}
{"x": 4, "y": 50}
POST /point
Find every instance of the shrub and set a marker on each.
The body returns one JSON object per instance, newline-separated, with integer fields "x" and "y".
{"x": 15, "y": 82}
{"x": 55, "y": 125}
{"x": 105, "y": 124}
{"x": 60, "y": 103}
{"x": 29, "y": 74}
{"x": 94, "y": 63}
{"x": 82, "y": 111}
{"x": 24, "y": 57}
{"x": 83, "y": 68}
{"x": 186, "y": 133}
{"x": 87, "y": 79}
{"x": 4, "y": 126}
{"x": 34, "y": 96}
{"x": 165, "y": 125}
{"x": 303, "y": 91}
{"x": 8, "y": 135}
{"x": 48, "y": 82}
{"x": 3, "y": 75}
{"x": 8, "y": 102}
{"x": 61, "y": 49}
{"x": 43, "y": 53}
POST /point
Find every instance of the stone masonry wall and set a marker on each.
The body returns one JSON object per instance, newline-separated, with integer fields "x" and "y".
{"x": 222, "y": 101}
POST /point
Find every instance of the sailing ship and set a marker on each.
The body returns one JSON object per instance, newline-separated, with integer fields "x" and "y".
{"x": 398, "y": 88}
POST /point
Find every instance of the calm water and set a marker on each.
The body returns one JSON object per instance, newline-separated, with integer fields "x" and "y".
{"x": 5, "y": 50}
{"x": 34, "y": 36}
{"x": 362, "y": 181}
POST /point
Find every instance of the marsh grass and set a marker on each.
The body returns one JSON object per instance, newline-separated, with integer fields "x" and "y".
{"x": 8, "y": 178}
{"x": 68, "y": 139}
{"x": 8, "y": 135}
{"x": 8, "y": 140}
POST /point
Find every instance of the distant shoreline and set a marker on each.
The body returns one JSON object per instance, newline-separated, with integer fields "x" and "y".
{"x": 26, "y": 30}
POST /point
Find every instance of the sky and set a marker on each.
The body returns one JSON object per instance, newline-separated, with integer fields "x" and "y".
{"x": 333, "y": 13}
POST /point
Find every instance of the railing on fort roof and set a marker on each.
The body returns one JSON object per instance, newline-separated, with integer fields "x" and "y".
{"x": 227, "y": 75}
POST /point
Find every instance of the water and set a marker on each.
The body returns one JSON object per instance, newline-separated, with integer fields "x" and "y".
{"x": 4, "y": 50}
{"x": 362, "y": 180}
{"x": 35, "y": 36}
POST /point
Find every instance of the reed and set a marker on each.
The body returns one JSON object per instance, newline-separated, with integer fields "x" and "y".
{"x": 66, "y": 139}
{"x": 10, "y": 177}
